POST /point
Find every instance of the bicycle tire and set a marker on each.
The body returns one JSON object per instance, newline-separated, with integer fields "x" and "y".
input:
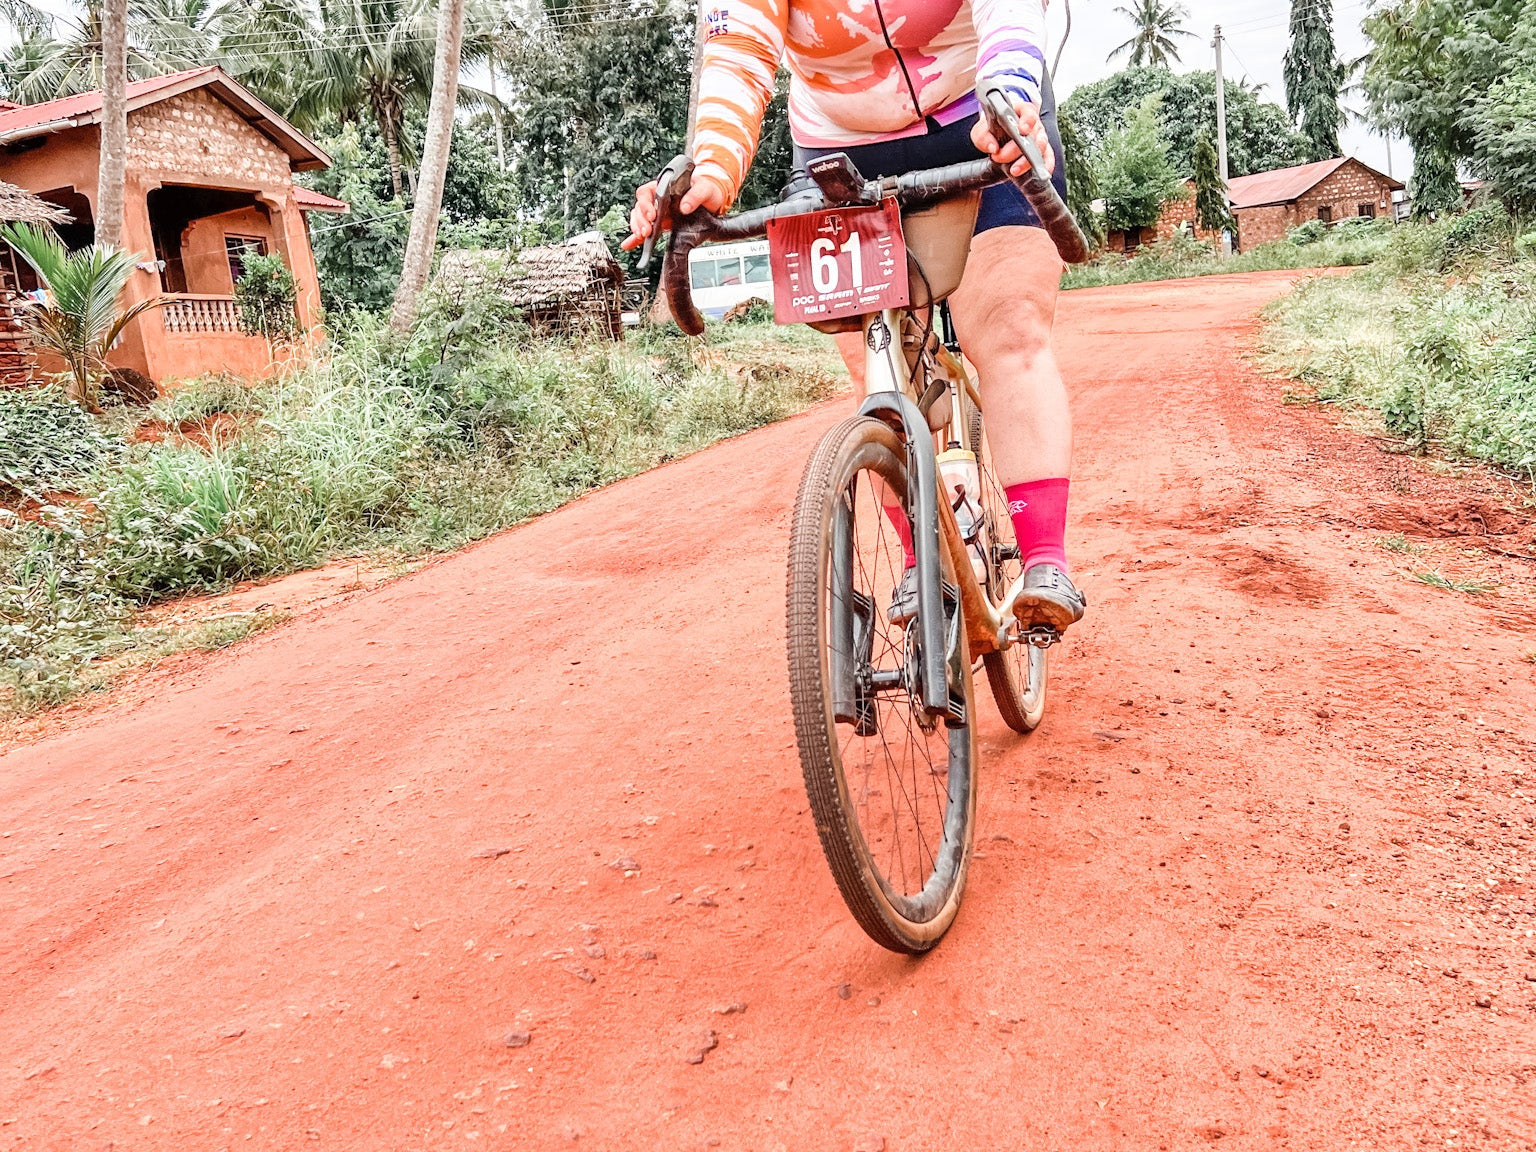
{"x": 902, "y": 921}
{"x": 1019, "y": 676}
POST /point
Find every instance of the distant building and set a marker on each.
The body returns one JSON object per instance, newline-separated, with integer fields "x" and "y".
{"x": 209, "y": 181}
{"x": 1267, "y": 205}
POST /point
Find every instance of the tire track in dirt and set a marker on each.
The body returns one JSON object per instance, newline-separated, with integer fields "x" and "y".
{"x": 304, "y": 891}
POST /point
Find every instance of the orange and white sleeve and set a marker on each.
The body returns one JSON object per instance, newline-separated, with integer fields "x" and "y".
{"x": 743, "y": 43}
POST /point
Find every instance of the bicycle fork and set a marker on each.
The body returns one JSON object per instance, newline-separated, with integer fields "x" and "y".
{"x": 885, "y": 373}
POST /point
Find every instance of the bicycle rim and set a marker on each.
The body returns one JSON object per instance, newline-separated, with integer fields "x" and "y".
{"x": 891, "y": 790}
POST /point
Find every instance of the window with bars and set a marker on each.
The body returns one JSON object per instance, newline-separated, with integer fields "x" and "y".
{"x": 237, "y": 248}
{"x": 1367, "y": 210}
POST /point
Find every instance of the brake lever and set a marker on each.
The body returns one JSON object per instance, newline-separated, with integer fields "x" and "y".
{"x": 1001, "y": 116}
{"x": 674, "y": 181}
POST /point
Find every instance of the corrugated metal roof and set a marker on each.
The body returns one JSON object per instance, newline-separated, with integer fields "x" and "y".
{"x": 85, "y": 108}
{"x": 311, "y": 201}
{"x": 22, "y": 116}
{"x": 1286, "y": 184}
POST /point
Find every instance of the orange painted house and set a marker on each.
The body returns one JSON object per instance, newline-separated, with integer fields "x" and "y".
{"x": 209, "y": 180}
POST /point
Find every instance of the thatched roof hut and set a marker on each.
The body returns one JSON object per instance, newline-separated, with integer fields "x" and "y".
{"x": 570, "y": 286}
{"x": 17, "y": 206}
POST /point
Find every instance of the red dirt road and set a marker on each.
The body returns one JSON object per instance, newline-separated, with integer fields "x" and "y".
{"x": 1261, "y": 879}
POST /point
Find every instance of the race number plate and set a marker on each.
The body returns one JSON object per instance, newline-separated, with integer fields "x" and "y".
{"x": 837, "y": 262}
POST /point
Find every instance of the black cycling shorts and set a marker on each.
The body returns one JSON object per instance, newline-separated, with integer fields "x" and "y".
{"x": 1002, "y": 205}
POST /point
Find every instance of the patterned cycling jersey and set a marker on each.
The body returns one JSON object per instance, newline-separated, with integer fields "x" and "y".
{"x": 860, "y": 70}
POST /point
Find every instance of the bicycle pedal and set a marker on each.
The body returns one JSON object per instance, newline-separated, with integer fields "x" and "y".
{"x": 1042, "y": 636}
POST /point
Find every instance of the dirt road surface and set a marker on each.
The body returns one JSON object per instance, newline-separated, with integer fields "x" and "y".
{"x": 482, "y": 858}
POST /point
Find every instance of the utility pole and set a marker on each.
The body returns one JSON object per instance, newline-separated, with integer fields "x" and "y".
{"x": 1221, "y": 114}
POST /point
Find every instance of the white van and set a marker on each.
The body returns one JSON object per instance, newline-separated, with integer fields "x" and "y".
{"x": 724, "y": 275}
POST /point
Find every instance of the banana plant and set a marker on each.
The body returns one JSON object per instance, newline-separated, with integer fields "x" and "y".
{"x": 80, "y": 318}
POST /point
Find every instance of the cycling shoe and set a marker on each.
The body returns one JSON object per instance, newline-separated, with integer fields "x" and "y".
{"x": 1045, "y": 596}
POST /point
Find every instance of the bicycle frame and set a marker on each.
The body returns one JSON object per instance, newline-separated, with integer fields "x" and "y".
{"x": 888, "y": 397}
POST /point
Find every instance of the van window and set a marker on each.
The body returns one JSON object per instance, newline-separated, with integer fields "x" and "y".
{"x": 758, "y": 271}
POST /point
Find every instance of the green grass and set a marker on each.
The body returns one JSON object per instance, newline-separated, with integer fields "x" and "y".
{"x": 1179, "y": 257}
{"x": 385, "y": 448}
{"x": 1436, "y": 341}
{"x": 1437, "y": 579}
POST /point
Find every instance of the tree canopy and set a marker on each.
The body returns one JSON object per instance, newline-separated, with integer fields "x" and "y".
{"x": 1210, "y": 192}
{"x": 1457, "y": 78}
{"x": 1313, "y": 77}
{"x": 1260, "y": 136}
{"x": 1133, "y": 171}
{"x": 598, "y": 110}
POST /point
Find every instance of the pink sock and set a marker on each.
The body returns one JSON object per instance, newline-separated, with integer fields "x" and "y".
{"x": 1038, "y": 509}
{"x": 903, "y": 526}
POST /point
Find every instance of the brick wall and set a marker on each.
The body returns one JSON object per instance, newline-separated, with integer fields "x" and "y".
{"x": 1176, "y": 214}
{"x": 1350, "y": 186}
{"x": 1257, "y": 226}
{"x": 1341, "y": 192}
{"x": 198, "y": 135}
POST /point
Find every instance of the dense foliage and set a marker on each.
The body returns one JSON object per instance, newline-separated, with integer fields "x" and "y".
{"x": 1458, "y": 78}
{"x": 1438, "y": 339}
{"x": 600, "y": 108}
{"x": 1260, "y": 135}
{"x": 267, "y": 297}
{"x": 1313, "y": 77}
{"x": 1133, "y": 172}
{"x": 1210, "y": 193}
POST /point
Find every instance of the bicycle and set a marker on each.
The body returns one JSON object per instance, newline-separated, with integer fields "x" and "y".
{"x": 884, "y": 710}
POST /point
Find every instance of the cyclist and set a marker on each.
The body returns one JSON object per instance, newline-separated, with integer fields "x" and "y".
{"x": 892, "y": 83}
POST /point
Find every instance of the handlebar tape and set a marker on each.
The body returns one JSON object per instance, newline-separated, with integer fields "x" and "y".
{"x": 1055, "y": 217}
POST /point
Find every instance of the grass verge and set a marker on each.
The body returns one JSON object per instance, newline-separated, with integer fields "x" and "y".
{"x": 1179, "y": 256}
{"x": 387, "y": 449}
{"x": 1435, "y": 341}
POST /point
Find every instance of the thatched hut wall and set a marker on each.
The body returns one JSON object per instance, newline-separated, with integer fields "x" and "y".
{"x": 564, "y": 288}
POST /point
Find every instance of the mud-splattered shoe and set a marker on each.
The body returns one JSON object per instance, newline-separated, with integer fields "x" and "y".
{"x": 903, "y": 607}
{"x": 1046, "y": 597}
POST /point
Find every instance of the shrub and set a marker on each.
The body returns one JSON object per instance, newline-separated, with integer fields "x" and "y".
{"x": 267, "y": 297}
{"x": 48, "y": 443}
{"x": 1309, "y": 232}
{"x": 1478, "y": 235}
{"x": 1525, "y": 246}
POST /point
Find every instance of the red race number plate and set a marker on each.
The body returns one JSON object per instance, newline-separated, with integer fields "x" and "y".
{"x": 837, "y": 262}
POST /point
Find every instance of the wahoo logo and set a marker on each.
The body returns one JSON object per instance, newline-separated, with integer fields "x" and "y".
{"x": 1016, "y": 506}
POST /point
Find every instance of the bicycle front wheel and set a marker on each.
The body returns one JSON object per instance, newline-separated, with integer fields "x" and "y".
{"x": 892, "y": 788}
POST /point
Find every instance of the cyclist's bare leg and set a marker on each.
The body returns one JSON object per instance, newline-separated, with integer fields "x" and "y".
{"x": 1004, "y": 310}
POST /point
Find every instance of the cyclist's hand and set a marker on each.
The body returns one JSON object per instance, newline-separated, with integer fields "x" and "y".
{"x": 643, "y": 217}
{"x": 1008, "y": 152}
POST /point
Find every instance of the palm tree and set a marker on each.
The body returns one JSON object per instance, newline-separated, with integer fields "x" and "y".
{"x": 111, "y": 169}
{"x": 422, "y": 241}
{"x": 1158, "y": 24}
{"x": 81, "y": 319}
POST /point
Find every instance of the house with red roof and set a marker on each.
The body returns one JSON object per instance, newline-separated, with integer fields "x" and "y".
{"x": 209, "y": 181}
{"x": 1267, "y": 205}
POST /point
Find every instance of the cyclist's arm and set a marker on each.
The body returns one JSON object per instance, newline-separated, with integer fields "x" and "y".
{"x": 1010, "y": 48}
{"x": 741, "y": 57}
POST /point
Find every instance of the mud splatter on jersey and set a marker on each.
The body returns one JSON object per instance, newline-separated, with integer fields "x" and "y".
{"x": 860, "y": 70}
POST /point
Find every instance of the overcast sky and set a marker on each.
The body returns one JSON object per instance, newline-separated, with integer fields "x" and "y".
{"x": 1256, "y": 33}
